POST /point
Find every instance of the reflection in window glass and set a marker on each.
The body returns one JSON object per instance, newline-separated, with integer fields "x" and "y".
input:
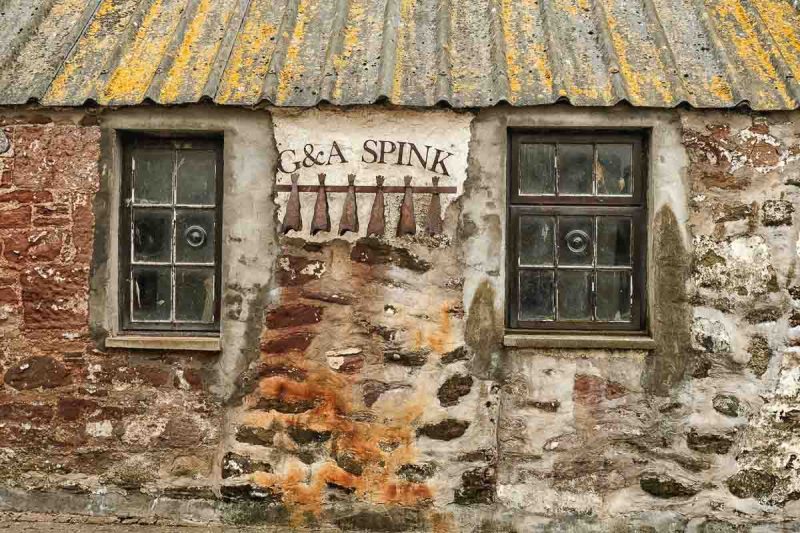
{"x": 574, "y": 294}
{"x": 536, "y": 300}
{"x": 613, "y": 241}
{"x": 153, "y": 176}
{"x": 614, "y": 295}
{"x": 151, "y": 293}
{"x": 537, "y": 169}
{"x": 575, "y": 162}
{"x": 536, "y": 240}
{"x": 152, "y": 235}
{"x": 197, "y": 174}
{"x": 614, "y": 163}
{"x": 194, "y": 294}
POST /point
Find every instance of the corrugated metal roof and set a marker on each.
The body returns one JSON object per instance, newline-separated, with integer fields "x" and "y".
{"x": 468, "y": 53}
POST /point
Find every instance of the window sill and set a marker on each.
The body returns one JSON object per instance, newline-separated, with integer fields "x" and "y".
{"x": 613, "y": 342}
{"x": 145, "y": 342}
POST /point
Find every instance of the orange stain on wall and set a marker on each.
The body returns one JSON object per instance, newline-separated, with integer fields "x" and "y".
{"x": 381, "y": 447}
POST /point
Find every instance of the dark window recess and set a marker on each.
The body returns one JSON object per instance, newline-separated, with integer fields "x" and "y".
{"x": 170, "y": 234}
{"x": 577, "y": 231}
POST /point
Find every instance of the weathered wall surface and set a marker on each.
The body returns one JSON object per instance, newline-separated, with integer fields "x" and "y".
{"x": 363, "y": 382}
{"x": 74, "y": 418}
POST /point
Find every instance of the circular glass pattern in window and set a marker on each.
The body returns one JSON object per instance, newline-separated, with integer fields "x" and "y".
{"x": 577, "y": 241}
{"x": 195, "y": 236}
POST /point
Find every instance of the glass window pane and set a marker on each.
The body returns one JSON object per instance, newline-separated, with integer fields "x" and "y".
{"x": 536, "y": 240}
{"x": 152, "y": 179}
{"x": 574, "y": 294}
{"x": 537, "y": 169}
{"x": 613, "y": 241}
{"x": 197, "y": 170}
{"x": 151, "y": 293}
{"x": 614, "y": 162}
{"x": 614, "y": 296}
{"x": 152, "y": 235}
{"x": 195, "y": 235}
{"x": 536, "y": 295}
{"x": 575, "y": 163}
{"x": 194, "y": 294}
{"x": 575, "y": 240}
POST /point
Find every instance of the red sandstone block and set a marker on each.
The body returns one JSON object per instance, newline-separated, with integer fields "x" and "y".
{"x": 61, "y": 157}
{"x": 8, "y": 296}
{"x": 194, "y": 378}
{"x": 15, "y": 218}
{"x": 55, "y": 299}
{"x": 5, "y": 176}
{"x": 75, "y": 408}
{"x": 33, "y": 246}
{"x": 51, "y": 215}
{"x": 287, "y": 316}
{"x": 25, "y": 196}
{"x": 36, "y": 372}
{"x": 82, "y": 228}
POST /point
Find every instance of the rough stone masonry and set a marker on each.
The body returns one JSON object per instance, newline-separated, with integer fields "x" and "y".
{"x": 363, "y": 383}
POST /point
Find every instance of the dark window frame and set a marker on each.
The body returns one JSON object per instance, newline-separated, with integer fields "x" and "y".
{"x": 540, "y": 204}
{"x": 137, "y": 140}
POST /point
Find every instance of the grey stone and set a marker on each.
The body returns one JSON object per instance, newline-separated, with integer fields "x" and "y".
{"x": 751, "y": 484}
{"x": 663, "y": 485}
{"x": 477, "y": 487}
{"x": 453, "y": 389}
{"x": 777, "y": 213}
{"x": 709, "y": 442}
{"x": 447, "y": 429}
{"x": 727, "y": 404}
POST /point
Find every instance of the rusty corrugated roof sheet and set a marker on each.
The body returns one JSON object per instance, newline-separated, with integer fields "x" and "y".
{"x": 467, "y": 53}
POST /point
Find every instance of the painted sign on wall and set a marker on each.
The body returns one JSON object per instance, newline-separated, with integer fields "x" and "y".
{"x": 411, "y": 157}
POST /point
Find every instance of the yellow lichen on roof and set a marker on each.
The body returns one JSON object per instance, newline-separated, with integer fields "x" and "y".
{"x": 519, "y": 23}
{"x": 714, "y": 53}
{"x": 91, "y": 52}
{"x": 575, "y": 7}
{"x": 243, "y": 79}
{"x": 784, "y": 27}
{"x": 586, "y": 92}
{"x": 719, "y": 87}
{"x": 355, "y": 18}
{"x": 740, "y": 31}
{"x": 138, "y": 65}
{"x": 513, "y": 67}
{"x": 405, "y": 34}
{"x": 293, "y": 67}
{"x": 637, "y": 79}
{"x": 195, "y": 57}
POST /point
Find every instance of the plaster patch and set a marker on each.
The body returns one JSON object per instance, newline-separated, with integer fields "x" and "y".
{"x": 102, "y": 429}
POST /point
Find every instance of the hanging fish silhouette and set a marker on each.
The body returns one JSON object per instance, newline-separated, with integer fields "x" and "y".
{"x": 433, "y": 224}
{"x": 377, "y": 217}
{"x": 408, "y": 222}
{"x": 292, "y": 220}
{"x": 349, "y": 220}
{"x": 322, "y": 219}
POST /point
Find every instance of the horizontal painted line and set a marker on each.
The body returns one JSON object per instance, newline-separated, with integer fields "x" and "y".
{"x": 368, "y": 189}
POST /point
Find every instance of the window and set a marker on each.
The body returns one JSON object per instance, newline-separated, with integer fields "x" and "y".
{"x": 577, "y": 230}
{"x": 170, "y": 234}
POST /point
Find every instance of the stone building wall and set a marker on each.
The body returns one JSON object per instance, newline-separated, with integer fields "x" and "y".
{"x": 363, "y": 382}
{"x": 76, "y": 419}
